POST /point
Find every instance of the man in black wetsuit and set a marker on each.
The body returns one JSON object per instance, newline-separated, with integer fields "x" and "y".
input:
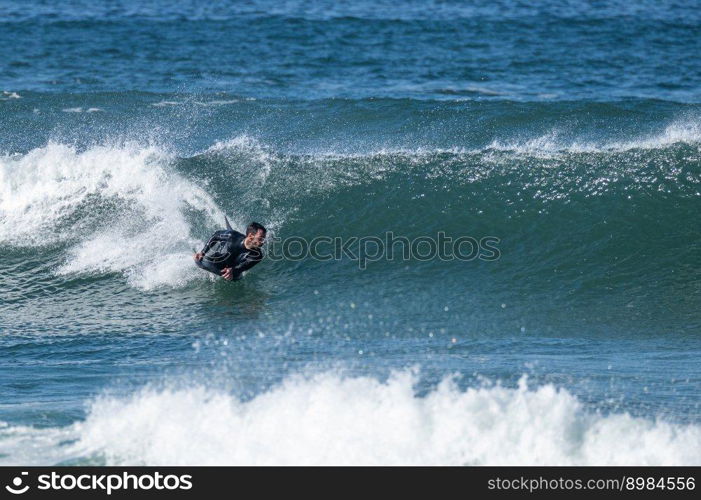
{"x": 229, "y": 253}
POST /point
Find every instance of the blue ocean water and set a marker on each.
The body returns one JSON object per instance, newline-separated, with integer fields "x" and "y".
{"x": 570, "y": 131}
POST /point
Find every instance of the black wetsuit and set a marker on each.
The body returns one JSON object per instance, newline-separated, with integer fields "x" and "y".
{"x": 226, "y": 249}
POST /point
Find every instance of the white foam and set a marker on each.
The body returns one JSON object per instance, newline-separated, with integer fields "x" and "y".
{"x": 331, "y": 419}
{"x": 241, "y": 142}
{"x": 214, "y": 102}
{"x": 678, "y": 132}
{"x": 6, "y": 95}
{"x": 687, "y": 132}
{"x": 25, "y": 445}
{"x": 256, "y": 151}
{"x": 82, "y": 110}
{"x": 544, "y": 144}
{"x": 141, "y": 230}
{"x": 219, "y": 102}
{"x": 166, "y": 103}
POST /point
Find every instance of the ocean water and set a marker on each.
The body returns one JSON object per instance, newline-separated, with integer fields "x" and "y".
{"x": 569, "y": 131}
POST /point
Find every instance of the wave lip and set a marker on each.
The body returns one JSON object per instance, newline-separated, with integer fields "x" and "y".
{"x": 330, "y": 419}
{"x": 550, "y": 143}
{"x": 109, "y": 203}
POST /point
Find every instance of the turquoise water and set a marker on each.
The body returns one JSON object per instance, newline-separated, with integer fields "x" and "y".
{"x": 570, "y": 132}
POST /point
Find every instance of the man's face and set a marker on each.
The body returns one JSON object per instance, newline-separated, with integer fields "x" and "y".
{"x": 255, "y": 240}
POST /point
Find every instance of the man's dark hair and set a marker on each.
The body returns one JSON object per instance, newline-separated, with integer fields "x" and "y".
{"x": 254, "y": 227}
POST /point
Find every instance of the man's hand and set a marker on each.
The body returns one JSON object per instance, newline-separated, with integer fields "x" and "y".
{"x": 198, "y": 256}
{"x": 228, "y": 273}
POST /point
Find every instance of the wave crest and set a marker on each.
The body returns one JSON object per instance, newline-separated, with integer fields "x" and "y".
{"x": 330, "y": 419}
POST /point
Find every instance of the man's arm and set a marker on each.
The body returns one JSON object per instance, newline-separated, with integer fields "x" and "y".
{"x": 234, "y": 273}
{"x": 215, "y": 237}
